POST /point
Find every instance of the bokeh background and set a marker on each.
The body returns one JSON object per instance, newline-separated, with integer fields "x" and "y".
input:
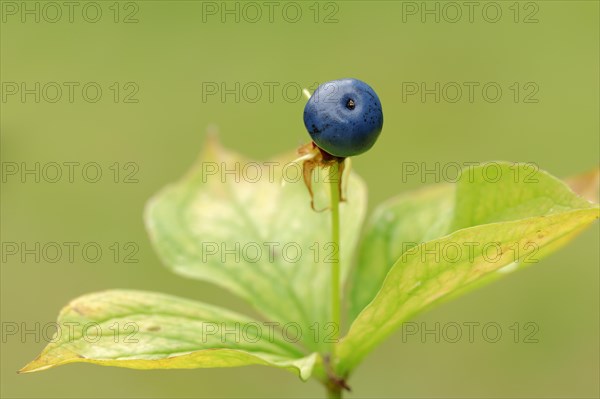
{"x": 177, "y": 49}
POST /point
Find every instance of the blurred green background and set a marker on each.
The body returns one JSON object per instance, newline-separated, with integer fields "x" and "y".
{"x": 176, "y": 48}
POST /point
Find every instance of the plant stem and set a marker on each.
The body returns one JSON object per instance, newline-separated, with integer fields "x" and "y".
{"x": 334, "y": 391}
{"x": 335, "y": 265}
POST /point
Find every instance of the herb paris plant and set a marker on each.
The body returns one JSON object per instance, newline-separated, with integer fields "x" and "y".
{"x": 190, "y": 221}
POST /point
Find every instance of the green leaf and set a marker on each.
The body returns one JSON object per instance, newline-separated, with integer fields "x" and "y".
{"x": 410, "y": 218}
{"x": 214, "y": 223}
{"x": 428, "y": 247}
{"x": 144, "y": 330}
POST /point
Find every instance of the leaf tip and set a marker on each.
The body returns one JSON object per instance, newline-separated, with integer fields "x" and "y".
{"x": 212, "y": 142}
{"x": 212, "y": 132}
{"x": 586, "y": 185}
{"x": 38, "y": 364}
{"x": 50, "y": 357}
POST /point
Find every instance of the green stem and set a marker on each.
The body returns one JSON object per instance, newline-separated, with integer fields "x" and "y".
{"x": 333, "y": 390}
{"x": 335, "y": 265}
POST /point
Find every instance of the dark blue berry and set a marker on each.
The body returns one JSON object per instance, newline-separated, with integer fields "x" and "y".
{"x": 344, "y": 117}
